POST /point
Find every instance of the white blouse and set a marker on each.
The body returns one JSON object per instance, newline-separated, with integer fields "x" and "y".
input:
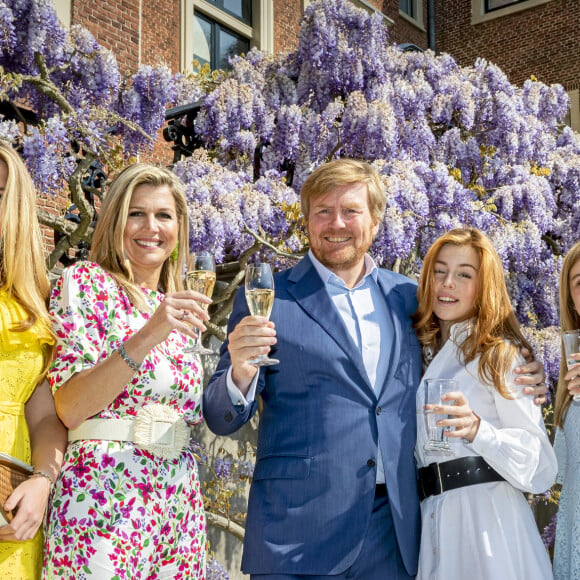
{"x": 488, "y": 525}
{"x": 511, "y": 437}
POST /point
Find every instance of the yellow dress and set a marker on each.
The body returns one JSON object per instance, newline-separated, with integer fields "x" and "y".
{"x": 21, "y": 361}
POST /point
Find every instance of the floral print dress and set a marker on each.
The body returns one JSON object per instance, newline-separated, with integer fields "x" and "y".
{"x": 117, "y": 511}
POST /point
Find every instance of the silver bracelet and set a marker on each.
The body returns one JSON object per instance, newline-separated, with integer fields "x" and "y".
{"x": 123, "y": 354}
{"x": 39, "y": 473}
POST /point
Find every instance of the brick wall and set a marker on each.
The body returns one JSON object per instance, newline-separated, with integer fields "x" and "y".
{"x": 161, "y": 33}
{"x": 540, "y": 41}
{"x": 287, "y": 14}
{"x": 115, "y": 25}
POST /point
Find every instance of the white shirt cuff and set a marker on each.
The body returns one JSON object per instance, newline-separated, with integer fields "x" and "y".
{"x": 236, "y": 395}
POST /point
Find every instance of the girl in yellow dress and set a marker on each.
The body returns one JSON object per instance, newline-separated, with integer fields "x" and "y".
{"x": 29, "y": 427}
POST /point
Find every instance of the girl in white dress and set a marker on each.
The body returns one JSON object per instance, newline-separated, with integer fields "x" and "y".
{"x": 567, "y": 421}
{"x": 476, "y": 522}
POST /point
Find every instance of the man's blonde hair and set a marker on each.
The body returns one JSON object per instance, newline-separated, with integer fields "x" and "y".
{"x": 344, "y": 172}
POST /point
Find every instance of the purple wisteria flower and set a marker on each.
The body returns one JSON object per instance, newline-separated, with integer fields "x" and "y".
{"x": 83, "y": 107}
{"x": 215, "y": 571}
{"x": 549, "y": 532}
{"x": 224, "y": 205}
{"x": 456, "y": 146}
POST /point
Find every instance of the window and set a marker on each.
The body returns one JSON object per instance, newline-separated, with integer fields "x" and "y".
{"x": 412, "y": 10}
{"x": 215, "y": 44}
{"x": 407, "y": 6}
{"x": 214, "y": 30}
{"x": 241, "y": 9}
{"x": 495, "y": 4}
{"x": 486, "y": 10}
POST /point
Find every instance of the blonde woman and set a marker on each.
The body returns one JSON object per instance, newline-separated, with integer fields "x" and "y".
{"x": 128, "y": 502}
{"x": 29, "y": 427}
{"x": 567, "y": 423}
{"x": 475, "y": 520}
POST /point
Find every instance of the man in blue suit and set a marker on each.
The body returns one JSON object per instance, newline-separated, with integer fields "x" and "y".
{"x": 334, "y": 491}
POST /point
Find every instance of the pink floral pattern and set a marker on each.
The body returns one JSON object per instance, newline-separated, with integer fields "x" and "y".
{"x": 116, "y": 511}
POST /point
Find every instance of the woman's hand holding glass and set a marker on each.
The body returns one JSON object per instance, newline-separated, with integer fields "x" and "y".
{"x": 459, "y": 420}
{"x": 180, "y": 311}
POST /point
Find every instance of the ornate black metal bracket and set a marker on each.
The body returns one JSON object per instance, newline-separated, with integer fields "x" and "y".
{"x": 180, "y": 129}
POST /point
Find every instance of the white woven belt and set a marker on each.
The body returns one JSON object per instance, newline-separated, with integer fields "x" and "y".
{"x": 156, "y": 428}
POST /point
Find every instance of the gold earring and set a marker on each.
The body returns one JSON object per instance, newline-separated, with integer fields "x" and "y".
{"x": 174, "y": 253}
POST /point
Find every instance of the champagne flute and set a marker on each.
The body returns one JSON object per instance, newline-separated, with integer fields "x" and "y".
{"x": 571, "y": 345}
{"x": 260, "y": 299}
{"x": 200, "y": 276}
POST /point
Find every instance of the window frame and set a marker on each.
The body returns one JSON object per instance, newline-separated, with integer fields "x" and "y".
{"x": 63, "y": 11}
{"x": 260, "y": 35}
{"x": 574, "y": 112}
{"x": 479, "y": 15}
{"x": 223, "y": 9}
{"x": 417, "y": 20}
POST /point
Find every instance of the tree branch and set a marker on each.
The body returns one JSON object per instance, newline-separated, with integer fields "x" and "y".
{"x": 82, "y": 231}
{"x": 225, "y": 524}
{"x": 265, "y": 242}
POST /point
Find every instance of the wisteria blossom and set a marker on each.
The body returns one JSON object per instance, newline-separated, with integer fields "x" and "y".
{"x": 455, "y": 145}
{"x": 73, "y": 86}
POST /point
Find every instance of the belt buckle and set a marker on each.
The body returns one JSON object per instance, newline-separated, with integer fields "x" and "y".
{"x": 434, "y": 481}
{"x": 160, "y": 430}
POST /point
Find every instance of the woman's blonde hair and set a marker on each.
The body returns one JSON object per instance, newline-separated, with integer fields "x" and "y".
{"x": 107, "y": 248}
{"x": 569, "y": 320}
{"x": 22, "y": 266}
{"x": 495, "y": 335}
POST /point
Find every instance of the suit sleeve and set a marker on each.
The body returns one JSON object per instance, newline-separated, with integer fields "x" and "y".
{"x": 220, "y": 413}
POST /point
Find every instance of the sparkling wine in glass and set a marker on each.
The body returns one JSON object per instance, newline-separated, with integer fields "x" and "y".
{"x": 200, "y": 276}
{"x": 571, "y": 345}
{"x": 260, "y": 299}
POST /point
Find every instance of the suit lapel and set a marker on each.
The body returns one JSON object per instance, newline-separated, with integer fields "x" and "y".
{"x": 395, "y": 307}
{"x": 310, "y": 294}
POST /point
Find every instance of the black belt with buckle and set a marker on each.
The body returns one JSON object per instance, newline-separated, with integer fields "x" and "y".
{"x": 439, "y": 477}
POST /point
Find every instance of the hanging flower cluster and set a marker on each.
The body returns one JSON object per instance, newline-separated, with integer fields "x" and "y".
{"x": 74, "y": 87}
{"x": 455, "y": 145}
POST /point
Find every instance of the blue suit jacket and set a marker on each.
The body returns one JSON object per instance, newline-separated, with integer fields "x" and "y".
{"x": 313, "y": 488}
